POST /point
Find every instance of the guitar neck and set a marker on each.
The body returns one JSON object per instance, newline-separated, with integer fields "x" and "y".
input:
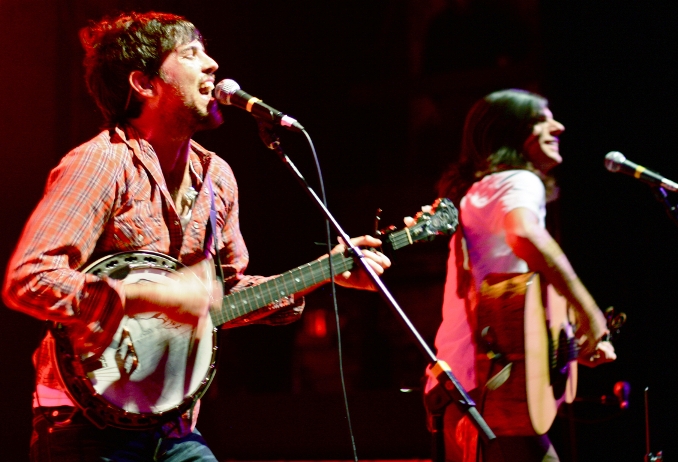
{"x": 399, "y": 239}
{"x": 245, "y": 301}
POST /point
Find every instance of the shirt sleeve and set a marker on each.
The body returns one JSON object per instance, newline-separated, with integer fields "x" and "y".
{"x": 44, "y": 277}
{"x": 523, "y": 189}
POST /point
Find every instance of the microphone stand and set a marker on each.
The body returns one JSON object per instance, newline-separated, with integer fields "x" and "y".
{"x": 649, "y": 456}
{"x": 452, "y": 389}
{"x": 663, "y": 197}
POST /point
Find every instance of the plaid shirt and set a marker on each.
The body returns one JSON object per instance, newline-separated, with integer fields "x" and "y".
{"x": 106, "y": 196}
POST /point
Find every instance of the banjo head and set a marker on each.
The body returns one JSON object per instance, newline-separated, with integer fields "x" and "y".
{"x": 154, "y": 369}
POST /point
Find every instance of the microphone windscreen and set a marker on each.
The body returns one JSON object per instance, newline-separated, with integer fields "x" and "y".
{"x": 225, "y": 89}
{"x": 613, "y": 161}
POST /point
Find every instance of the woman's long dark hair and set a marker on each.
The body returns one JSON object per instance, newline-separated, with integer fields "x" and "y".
{"x": 495, "y": 131}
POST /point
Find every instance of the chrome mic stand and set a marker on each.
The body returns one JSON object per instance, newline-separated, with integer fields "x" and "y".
{"x": 663, "y": 197}
{"x": 451, "y": 389}
{"x": 649, "y": 457}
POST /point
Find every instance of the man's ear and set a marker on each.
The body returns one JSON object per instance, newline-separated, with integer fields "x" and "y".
{"x": 141, "y": 83}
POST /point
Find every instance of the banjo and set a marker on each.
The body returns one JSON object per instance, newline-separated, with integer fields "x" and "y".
{"x": 155, "y": 368}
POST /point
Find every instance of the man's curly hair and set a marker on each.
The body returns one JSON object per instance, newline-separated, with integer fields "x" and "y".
{"x": 116, "y": 46}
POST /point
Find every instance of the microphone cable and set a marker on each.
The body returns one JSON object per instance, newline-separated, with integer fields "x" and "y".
{"x": 334, "y": 296}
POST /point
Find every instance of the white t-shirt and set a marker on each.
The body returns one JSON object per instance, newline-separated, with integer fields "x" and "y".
{"x": 482, "y": 212}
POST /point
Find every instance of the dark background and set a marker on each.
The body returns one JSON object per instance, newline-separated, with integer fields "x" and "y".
{"x": 382, "y": 88}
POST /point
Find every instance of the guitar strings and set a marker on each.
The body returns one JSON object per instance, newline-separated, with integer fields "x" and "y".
{"x": 244, "y": 302}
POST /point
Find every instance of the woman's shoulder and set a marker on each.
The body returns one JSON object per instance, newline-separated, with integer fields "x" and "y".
{"x": 507, "y": 179}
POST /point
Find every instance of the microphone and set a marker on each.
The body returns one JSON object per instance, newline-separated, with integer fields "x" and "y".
{"x": 616, "y": 162}
{"x": 622, "y": 390}
{"x": 619, "y": 397}
{"x": 228, "y": 93}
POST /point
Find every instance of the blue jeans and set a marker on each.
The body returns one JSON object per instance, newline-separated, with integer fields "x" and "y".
{"x": 61, "y": 436}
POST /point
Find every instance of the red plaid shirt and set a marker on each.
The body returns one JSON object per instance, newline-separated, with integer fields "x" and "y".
{"x": 106, "y": 196}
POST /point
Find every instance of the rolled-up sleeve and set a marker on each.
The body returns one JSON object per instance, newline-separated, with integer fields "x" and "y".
{"x": 43, "y": 278}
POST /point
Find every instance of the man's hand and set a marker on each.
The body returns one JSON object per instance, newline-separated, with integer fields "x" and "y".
{"x": 186, "y": 298}
{"x": 358, "y": 278}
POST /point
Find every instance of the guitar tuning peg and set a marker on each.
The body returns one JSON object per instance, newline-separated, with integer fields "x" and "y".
{"x": 387, "y": 230}
{"x": 614, "y": 320}
{"x": 377, "y": 219}
{"x": 383, "y": 231}
{"x": 619, "y": 320}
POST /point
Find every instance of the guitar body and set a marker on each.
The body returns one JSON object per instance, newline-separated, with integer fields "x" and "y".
{"x": 153, "y": 370}
{"x": 527, "y": 329}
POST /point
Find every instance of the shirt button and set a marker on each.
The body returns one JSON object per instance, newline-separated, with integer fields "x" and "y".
{"x": 196, "y": 225}
{"x": 176, "y": 222}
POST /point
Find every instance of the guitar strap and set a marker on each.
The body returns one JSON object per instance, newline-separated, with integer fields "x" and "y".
{"x": 466, "y": 290}
{"x": 211, "y": 239}
{"x": 465, "y": 284}
{"x": 210, "y": 248}
{"x": 497, "y": 358}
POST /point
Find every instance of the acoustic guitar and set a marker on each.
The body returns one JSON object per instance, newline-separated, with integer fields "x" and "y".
{"x": 527, "y": 354}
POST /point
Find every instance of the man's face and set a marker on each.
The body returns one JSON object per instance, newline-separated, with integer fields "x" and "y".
{"x": 542, "y": 146}
{"x": 185, "y": 86}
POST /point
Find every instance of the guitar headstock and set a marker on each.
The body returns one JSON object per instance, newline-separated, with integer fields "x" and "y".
{"x": 442, "y": 220}
{"x": 615, "y": 321}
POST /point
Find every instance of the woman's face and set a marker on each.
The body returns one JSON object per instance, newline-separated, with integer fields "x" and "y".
{"x": 542, "y": 146}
